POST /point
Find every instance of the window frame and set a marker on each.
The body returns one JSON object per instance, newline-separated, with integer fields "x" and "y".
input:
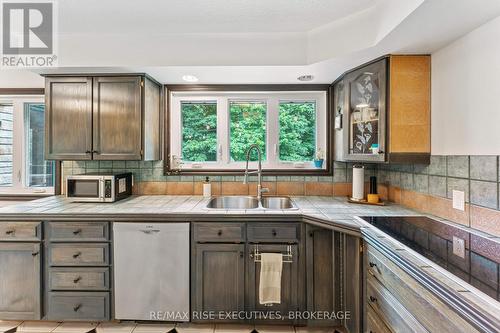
{"x": 19, "y": 156}
{"x": 295, "y": 92}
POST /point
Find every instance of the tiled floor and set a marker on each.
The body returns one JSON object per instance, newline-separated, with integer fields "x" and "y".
{"x": 127, "y": 327}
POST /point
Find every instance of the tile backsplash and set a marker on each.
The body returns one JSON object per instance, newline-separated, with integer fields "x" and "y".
{"x": 430, "y": 188}
{"x": 426, "y": 188}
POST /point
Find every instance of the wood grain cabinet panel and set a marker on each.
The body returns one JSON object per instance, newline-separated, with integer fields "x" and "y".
{"x": 273, "y": 233}
{"x": 68, "y": 118}
{"x": 78, "y": 231}
{"x": 20, "y": 277}
{"x": 78, "y": 306}
{"x": 394, "y": 315}
{"x": 219, "y": 232}
{"x": 117, "y": 118}
{"x": 374, "y": 324}
{"x": 61, "y": 278}
{"x": 107, "y": 117}
{"x": 425, "y": 307}
{"x": 78, "y": 254}
{"x": 292, "y": 283}
{"x": 218, "y": 278}
{"x": 20, "y": 231}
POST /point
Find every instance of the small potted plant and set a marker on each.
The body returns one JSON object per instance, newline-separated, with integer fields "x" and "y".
{"x": 320, "y": 157}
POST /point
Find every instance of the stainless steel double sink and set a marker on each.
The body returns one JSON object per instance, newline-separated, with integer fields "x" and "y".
{"x": 248, "y": 202}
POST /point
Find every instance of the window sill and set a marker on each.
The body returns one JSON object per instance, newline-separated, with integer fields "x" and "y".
{"x": 23, "y": 196}
{"x": 240, "y": 172}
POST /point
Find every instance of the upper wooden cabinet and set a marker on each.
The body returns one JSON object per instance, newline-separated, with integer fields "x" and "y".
{"x": 102, "y": 118}
{"x": 382, "y": 111}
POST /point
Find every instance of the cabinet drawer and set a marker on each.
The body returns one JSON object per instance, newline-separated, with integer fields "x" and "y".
{"x": 219, "y": 232}
{"x": 20, "y": 231}
{"x": 395, "y": 316}
{"x": 78, "y": 231}
{"x": 79, "y": 278}
{"x": 373, "y": 322}
{"x": 432, "y": 313}
{"x": 78, "y": 306}
{"x": 78, "y": 254}
{"x": 279, "y": 232}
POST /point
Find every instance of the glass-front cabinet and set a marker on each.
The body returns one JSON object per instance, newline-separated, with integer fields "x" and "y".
{"x": 364, "y": 132}
{"x": 382, "y": 111}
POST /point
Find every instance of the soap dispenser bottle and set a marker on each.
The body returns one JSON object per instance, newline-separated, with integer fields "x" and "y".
{"x": 207, "y": 188}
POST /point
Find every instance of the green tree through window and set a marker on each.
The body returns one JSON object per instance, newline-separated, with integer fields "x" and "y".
{"x": 247, "y": 126}
{"x": 297, "y": 138}
{"x": 199, "y": 131}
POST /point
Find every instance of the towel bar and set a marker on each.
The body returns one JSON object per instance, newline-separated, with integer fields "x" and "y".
{"x": 287, "y": 257}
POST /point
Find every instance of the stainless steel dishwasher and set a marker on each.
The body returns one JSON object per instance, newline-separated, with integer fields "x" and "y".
{"x": 151, "y": 271}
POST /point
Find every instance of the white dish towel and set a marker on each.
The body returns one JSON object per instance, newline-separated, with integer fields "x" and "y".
{"x": 271, "y": 267}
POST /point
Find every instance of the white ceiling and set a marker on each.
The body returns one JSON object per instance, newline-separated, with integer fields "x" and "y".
{"x": 250, "y": 41}
{"x": 203, "y": 16}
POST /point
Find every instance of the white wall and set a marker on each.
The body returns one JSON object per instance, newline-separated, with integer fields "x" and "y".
{"x": 466, "y": 94}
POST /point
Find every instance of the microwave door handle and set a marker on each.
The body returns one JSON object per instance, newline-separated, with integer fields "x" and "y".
{"x": 101, "y": 189}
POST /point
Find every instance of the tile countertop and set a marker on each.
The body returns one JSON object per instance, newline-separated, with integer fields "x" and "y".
{"x": 332, "y": 210}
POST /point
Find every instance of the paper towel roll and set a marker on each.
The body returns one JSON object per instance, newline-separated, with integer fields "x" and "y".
{"x": 358, "y": 182}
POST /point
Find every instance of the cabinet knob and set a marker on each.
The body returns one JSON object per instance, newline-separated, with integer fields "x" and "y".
{"x": 77, "y": 279}
{"x": 219, "y": 233}
{"x": 274, "y": 233}
{"x": 76, "y": 255}
{"x": 10, "y": 232}
{"x": 373, "y": 299}
{"x": 88, "y": 152}
{"x": 76, "y": 232}
{"x": 34, "y": 254}
{"x": 76, "y": 308}
{"x": 241, "y": 254}
{"x": 95, "y": 152}
{"x": 372, "y": 264}
{"x": 311, "y": 234}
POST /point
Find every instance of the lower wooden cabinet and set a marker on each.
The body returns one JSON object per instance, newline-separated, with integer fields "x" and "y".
{"x": 78, "y": 306}
{"x": 218, "y": 279}
{"x": 20, "y": 278}
{"x": 292, "y": 283}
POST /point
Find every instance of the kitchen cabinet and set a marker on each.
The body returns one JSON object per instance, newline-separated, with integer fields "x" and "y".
{"x": 20, "y": 287}
{"x": 323, "y": 287}
{"x": 77, "y": 271}
{"x": 218, "y": 281}
{"x": 402, "y": 303}
{"x": 106, "y": 117}
{"x": 385, "y": 111}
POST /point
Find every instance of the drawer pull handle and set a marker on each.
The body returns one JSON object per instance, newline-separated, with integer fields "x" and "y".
{"x": 34, "y": 254}
{"x": 76, "y": 308}
{"x": 373, "y": 299}
{"x": 274, "y": 233}
{"x": 77, "y": 279}
{"x": 76, "y": 255}
{"x": 76, "y": 232}
{"x": 241, "y": 254}
{"x": 372, "y": 264}
{"x": 219, "y": 233}
{"x": 10, "y": 232}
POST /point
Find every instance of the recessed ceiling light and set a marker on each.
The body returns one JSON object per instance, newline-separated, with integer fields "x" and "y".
{"x": 190, "y": 78}
{"x": 305, "y": 78}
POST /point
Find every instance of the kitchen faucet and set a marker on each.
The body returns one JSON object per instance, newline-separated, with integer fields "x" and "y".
{"x": 260, "y": 190}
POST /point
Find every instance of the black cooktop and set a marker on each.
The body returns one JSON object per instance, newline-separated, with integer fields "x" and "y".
{"x": 434, "y": 240}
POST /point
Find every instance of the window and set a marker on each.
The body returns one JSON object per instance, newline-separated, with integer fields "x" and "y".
{"x": 248, "y": 126}
{"x": 199, "y": 131}
{"x": 23, "y": 168}
{"x": 297, "y": 140}
{"x": 213, "y": 131}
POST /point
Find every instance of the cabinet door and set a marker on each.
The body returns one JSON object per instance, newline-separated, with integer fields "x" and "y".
{"x": 117, "y": 118}
{"x": 218, "y": 278}
{"x": 291, "y": 283}
{"x": 68, "y": 118}
{"x": 365, "y": 117}
{"x": 20, "y": 281}
{"x": 321, "y": 280}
